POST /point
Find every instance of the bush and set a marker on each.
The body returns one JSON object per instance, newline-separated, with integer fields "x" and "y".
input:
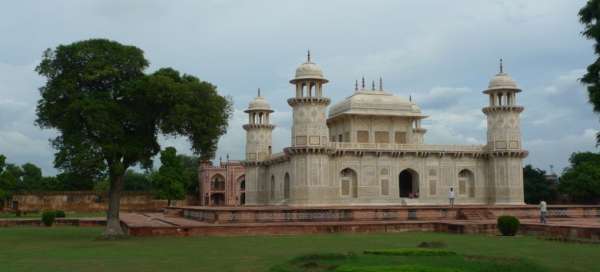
{"x": 411, "y": 252}
{"x": 60, "y": 214}
{"x": 508, "y": 225}
{"x": 48, "y": 218}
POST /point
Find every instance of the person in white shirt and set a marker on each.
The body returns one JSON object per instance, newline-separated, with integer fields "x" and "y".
{"x": 543, "y": 212}
{"x": 451, "y": 196}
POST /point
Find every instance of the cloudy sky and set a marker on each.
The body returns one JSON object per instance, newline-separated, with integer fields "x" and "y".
{"x": 443, "y": 55}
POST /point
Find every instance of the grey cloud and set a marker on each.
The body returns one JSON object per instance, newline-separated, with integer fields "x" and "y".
{"x": 442, "y": 55}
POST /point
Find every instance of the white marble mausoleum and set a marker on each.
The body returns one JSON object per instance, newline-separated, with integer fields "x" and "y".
{"x": 368, "y": 149}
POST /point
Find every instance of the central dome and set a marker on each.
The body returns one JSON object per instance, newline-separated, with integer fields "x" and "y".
{"x": 381, "y": 103}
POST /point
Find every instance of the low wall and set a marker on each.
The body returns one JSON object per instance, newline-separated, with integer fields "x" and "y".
{"x": 88, "y": 201}
{"x": 368, "y": 213}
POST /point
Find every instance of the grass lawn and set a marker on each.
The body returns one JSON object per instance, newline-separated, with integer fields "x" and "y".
{"x": 76, "y": 249}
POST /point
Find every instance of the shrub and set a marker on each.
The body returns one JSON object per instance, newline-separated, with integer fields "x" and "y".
{"x": 48, "y": 218}
{"x": 60, "y": 214}
{"x": 411, "y": 252}
{"x": 508, "y": 225}
{"x": 397, "y": 268}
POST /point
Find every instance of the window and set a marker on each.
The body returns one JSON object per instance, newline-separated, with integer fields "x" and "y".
{"x": 349, "y": 183}
{"x": 286, "y": 186}
{"x": 400, "y": 137}
{"x": 272, "y": 187}
{"x": 432, "y": 187}
{"x": 362, "y": 136}
{"x": 466, "y": 183}
{"x": 385, "y": 187}
{"x": 382, "y": 137}
{"x": 217, "y": 183}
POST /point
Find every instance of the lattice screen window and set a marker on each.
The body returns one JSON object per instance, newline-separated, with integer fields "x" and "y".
{"x": 400, "y": 137}
{"x": 346, "y": 187}
{"x": 385, "y": 187}
{"x": 362, "y": 136}
{"x": 382, "y": 137}
{"x": 432, "y": 187}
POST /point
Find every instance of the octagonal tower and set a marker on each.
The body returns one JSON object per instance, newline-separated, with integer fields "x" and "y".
{"x": 310, "y": 137}
{"x": 504, "y": 144}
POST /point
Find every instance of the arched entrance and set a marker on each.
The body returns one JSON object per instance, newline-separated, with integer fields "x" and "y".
{"x": 408, "y": 183}
{"x": 242, "y": 188}
{"x": 217, "y": 199}
{"x": 349, "y": 183}
{"x": 286, "y": 186}
{"x": 466, "y": 183}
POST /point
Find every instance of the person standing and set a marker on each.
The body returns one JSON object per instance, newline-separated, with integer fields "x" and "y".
{"x": 543, "y": 212}
{"x": 451, "y": 196}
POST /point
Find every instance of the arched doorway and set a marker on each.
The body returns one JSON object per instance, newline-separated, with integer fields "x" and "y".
{"x": 286, "y": 186}
{"x": 466, "y": 183}
{"x": 242, "y": 189}
{"x": 217, "y": 199}
{"x": 272, "y": 187}
{"x": 408, "y": 183}
{"x": 349, "y": 183}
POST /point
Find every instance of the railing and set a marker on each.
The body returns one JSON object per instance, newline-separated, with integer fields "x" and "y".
{"x": 407, "y": 147}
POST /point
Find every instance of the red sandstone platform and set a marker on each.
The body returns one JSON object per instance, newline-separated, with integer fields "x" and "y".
{"x": 568, "y": 221}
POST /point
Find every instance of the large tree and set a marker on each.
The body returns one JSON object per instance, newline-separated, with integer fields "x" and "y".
{"x": 581, "y": 180}
{"x": 109, "y": 112}
{"x": 537, "y": 187}
{"x": 589, "y": 16}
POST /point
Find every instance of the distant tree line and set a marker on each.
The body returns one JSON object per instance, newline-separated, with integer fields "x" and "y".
{"x": 578, "y": 183}
{"x": 28, "y": 178}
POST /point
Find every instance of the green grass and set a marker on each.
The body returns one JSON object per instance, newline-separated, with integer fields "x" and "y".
{"x": 410, "y": 252}
{"x": 76, "y": 249}
{"x": 408, "y": 260}
{"x": 38, "y": 215}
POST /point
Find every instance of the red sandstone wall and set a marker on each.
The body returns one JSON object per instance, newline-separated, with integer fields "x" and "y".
{"x": 86, "y": 201}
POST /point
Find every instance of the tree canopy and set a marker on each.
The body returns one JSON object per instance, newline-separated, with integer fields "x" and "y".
{"x": 581, "y": 180}
{"x": 537, "y": 187}
{"x": 109, "y": 112}
{"x": 589, "y": 16}
{"x": 170, "y": 180}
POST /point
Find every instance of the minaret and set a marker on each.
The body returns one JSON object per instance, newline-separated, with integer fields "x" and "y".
{"x": 258, "y": 147}
{"x": 258, "y": 129}
{"x": 309, "y": 106}
{"x": 310, "y": 137}
{"x": 504, "y": 144}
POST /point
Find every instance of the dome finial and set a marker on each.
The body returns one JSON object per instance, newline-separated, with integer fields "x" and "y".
{"x": 258, "y": 92}
{"x": 363, "y": 83}
{"x": 380, "y": 84}
{"x": 373, "y": 85}
{"x": 501, "y": 67}
{"x": 356, "y": 85}
{"x": 308, "y": 56}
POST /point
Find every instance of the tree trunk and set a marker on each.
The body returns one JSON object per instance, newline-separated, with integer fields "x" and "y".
{"x": 113, "y": 223}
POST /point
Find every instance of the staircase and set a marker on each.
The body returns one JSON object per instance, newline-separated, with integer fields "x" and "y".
{"x": 474, "y": 214}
